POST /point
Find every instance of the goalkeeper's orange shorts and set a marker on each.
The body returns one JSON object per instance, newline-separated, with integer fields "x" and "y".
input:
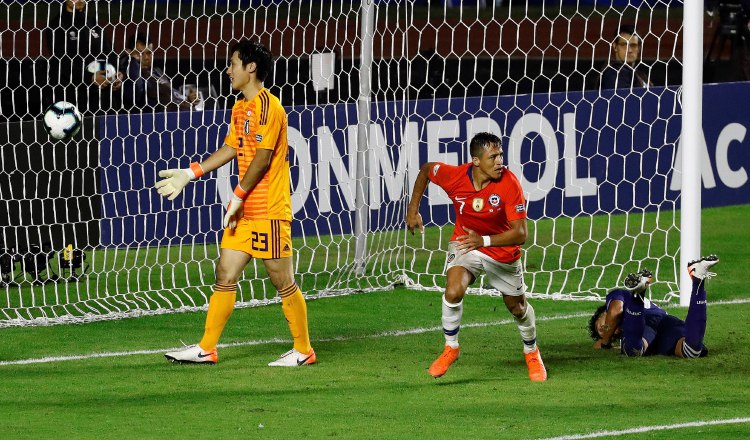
{"x": 264, "y": 239}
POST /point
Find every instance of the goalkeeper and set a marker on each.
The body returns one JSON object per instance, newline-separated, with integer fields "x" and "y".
{"x": 644, "y": 328}
{"x": 258, "y": 219}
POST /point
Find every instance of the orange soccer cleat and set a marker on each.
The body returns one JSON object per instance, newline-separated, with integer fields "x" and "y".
{"x": 537, "y": 372}
{"x": 444, "y": 361}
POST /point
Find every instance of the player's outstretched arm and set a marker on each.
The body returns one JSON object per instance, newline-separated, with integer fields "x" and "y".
{"x": 218, "y": 158}
{"x": 413, "y": 217}
{"x": 174, "y": 180}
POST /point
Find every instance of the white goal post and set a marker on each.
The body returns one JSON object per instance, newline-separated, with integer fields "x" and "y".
{"x": 372, "y": 90}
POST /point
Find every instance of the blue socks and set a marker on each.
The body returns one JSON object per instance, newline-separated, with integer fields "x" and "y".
{"x": 695, "y": 322}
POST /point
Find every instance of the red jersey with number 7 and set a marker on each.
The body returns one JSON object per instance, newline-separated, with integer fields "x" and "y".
{"x": 488, "y": 211}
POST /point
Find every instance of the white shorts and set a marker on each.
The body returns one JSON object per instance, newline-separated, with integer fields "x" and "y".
{"x": 507, "y": 278}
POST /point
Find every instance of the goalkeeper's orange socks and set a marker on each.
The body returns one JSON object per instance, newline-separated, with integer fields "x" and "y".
{"x": 295, "y": 311}
{"x": 220, "y": 308}
{"x": 221, "y": 305}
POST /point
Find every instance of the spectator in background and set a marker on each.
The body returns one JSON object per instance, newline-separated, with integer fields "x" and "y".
{"x": 622, "y": 72}
{"x": 81, "y": 54}
{"x": 146, "y": 86}
{"x": 729, "y": 26}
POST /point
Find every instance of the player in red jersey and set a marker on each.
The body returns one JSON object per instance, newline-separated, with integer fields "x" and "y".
{"x": 490, "y": 229}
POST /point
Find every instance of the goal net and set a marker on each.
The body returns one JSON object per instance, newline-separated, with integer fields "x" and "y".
{"x": 372, "y": 90}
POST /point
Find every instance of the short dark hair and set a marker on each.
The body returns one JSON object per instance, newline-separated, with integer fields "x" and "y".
{"x": 135, "y": 39}
{"x": 625, "y": 29}
{"x": 251, "y": 51}
{"x": 593, "y": 332}
{"x": 482, "y": 140}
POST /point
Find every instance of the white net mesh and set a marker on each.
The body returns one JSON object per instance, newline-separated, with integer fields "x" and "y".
{"x": 85, "y": 236}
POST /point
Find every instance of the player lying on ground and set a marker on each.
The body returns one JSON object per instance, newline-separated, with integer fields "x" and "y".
{"x": 646, "y": 329}
{"x": 490, "y": 227}
{"x": 258, "y": 219}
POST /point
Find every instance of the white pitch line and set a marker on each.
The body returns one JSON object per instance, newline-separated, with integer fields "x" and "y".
{"x": 725, "y": 302}
{"x": 651, "y": 428}
{"x": 391, "y": 333}
{"x": 414, "y": 331}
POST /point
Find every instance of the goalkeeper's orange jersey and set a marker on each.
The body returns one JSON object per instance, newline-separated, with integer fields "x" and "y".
{"x": 262, "y": 123}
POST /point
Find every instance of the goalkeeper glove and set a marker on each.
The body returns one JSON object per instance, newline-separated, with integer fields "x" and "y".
{"x": 235, "y": 207}
{"x": 175, "y": 180}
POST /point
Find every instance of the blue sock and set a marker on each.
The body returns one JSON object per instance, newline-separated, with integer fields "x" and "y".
{"x": 695, "y": 322}
{"x": 633, "y": 325}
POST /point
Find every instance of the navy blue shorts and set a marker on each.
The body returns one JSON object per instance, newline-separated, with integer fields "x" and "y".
{"x": 662, "y": 334}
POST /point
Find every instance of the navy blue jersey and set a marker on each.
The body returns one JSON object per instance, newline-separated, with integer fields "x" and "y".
{"x": 662, "y": 330}
{"x": 649, "y": 309}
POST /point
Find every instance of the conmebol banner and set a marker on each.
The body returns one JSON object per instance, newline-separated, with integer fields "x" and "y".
{"x": 593, "y": 152}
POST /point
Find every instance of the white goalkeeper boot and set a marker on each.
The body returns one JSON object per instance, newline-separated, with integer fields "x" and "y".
{"x": 294, "y": 358}
{"x": 193, "y": 354}
{"x": 699, "y": 268}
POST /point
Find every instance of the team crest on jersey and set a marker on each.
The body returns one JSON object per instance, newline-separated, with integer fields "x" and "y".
{"x": 494, "y": 200}
{"x": 434, "y": 169}
{"x": 247, "y": 126}
{"x": 477, "y": 204}
{"x": 249, "y": 114}
{"x": 258, "y": 138}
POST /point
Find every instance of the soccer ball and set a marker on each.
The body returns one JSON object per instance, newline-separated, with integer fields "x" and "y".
{"x": 62, "y": 120}
{"x": 98, "y": 66}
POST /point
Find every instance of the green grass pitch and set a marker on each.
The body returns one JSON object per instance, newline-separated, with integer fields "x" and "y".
{"x": 371, "y": 380}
